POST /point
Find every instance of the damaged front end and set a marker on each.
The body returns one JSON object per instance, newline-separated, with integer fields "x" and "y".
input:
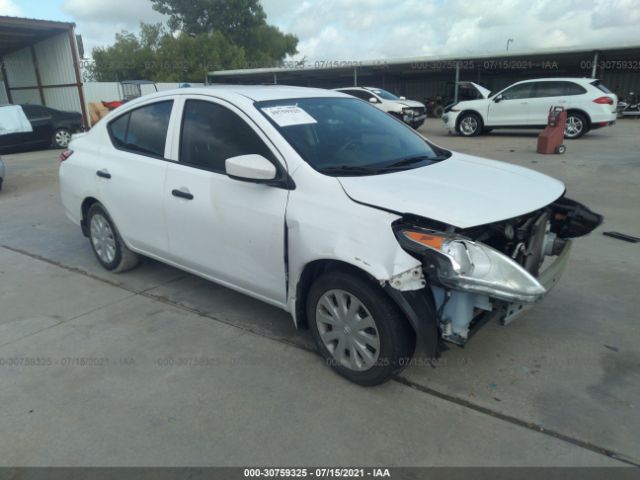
{"x": 493, "y": 270}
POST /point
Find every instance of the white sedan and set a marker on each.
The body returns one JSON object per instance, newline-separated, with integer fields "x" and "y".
{"x": 375, "y": 239}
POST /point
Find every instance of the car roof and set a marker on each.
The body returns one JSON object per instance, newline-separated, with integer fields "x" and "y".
{"x": 258, "y": 93}
{"x": 358, "y": 88}
{"x": 584, "y": 80}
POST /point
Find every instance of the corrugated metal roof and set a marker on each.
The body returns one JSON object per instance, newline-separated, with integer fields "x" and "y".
{"x": 318, "y": 66}
{"x": 18, "y": 32}
{"x": 36, "y": 21}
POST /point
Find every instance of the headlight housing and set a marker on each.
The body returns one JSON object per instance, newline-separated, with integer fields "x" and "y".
{"x": 462, "y": 264}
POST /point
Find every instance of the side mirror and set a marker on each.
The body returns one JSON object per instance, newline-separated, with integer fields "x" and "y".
{"x": 403, "y": 98}
{"x": 498, "y": 98}
{"x": 373, "y": 100}
{"x": 250, "y": 168}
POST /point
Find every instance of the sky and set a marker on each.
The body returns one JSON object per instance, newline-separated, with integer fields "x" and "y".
{"x": 354, "y": 30}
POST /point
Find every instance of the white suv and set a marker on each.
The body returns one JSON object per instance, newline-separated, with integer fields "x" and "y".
{"x": 526, "y": 104}
{"x": 410, "y": 112}
{"x": 378, "y": 241}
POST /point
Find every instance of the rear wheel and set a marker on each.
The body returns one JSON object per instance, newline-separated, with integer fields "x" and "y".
{"x": 61, "y": 138}
{"x": 107, "y": 243}
{"x": 469, "y": 125}
{"x": 576, "y": 125}
{"x": 358, "y": 330}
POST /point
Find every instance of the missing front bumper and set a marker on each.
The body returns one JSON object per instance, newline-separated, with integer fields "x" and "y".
{"x": 548, "y": 278}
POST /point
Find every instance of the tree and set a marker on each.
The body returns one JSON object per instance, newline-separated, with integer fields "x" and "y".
{"x": 157, "y": 55}
{"x": 244, "y": 22}
{"x": 232, "y": 18}
{"x": 201, "y": 36}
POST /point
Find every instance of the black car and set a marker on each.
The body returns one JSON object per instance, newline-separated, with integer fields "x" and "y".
{"x": 51, "y": 128}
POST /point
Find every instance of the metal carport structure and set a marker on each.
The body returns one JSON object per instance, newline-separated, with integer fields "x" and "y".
{"x": 40, "y": 65}
{"x": 422, "y": 77}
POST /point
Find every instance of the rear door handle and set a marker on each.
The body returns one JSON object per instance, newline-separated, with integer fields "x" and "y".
{"x": 104, "y": 173}
{"x": 182, "y": 194}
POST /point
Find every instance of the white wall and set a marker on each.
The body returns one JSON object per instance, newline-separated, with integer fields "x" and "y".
{"x": 63, "y": 98}
{"x": 101, "y": 91}
{"x": 55, "y": 60}
{"x": 20, "y": 69}
{"x": 97, "y": 92}
{"x": 31, "y": 95}
{"x": 55, "y": 65}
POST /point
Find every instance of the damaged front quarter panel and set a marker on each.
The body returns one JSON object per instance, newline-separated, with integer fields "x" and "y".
{"x": 412, "y": 279}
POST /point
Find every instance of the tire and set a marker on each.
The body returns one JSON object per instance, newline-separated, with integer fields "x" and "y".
{"x": 560, "y": 149}
{"x": 576, "y": 126}
{"x": 469, "y": 125}
{"x": 438, "y": 111}
{"x": 371, "y": 345}
{"x": 107, "y": 243}
{"x": 61, "y": 138}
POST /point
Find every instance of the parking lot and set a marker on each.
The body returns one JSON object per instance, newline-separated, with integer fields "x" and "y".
{"x": 158, "y": 367}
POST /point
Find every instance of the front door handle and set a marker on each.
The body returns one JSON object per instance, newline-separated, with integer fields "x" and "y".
{"x": 104, "y": 173}
{"x": 182, "y": 194}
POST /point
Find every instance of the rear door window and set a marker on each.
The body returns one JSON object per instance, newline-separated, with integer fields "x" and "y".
{"x": 143, "y": 130}
{"x": 35, "y": 112}
{"x": 118, "y": 130}
{"x": 558, "y": 89}
{"x": 524, "y": 90}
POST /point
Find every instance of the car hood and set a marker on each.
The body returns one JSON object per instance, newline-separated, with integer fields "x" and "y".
{"x": 409, "y": 103}
{"x": 484, "y": 92}
{"x": 463, "y": 191}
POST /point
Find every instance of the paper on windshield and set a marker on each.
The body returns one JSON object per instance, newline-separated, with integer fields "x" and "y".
{"x": 288, "y": 115}
{"x": 13, "y": 120}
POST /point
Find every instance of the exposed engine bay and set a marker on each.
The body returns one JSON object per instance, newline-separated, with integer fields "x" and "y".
{"x": 529, "y": 238}
{"x": 494, "y": 270}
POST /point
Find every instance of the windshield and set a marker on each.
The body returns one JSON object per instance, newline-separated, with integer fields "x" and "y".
{"x": 383, "y": 94}
{"x": 346, "y": 136}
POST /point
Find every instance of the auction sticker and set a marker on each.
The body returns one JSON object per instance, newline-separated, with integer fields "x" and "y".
{"x": 288, "y": 115}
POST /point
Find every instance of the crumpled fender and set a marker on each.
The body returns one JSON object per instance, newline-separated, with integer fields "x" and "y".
{"x": 324, "y": 224}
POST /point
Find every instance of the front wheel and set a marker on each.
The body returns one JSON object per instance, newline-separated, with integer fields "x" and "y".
{"x": 357, "y": 329}
{"x": 470, "y": 125}
{"x": 61, "y": 138}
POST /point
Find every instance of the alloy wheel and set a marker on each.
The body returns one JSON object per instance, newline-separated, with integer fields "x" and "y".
{"x": 468, "y": 125}
{"x": 573, "y": 127}
{"x": 347, "y": 330}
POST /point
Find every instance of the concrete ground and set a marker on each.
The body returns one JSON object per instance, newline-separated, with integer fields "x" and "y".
{"x": 159, "y": 368}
